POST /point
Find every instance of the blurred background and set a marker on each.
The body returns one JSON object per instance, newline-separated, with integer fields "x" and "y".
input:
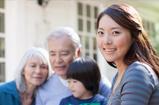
{"x": 26, "y": 23}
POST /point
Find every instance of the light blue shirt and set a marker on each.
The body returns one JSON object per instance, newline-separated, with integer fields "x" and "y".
{"x": 54, "y": 90}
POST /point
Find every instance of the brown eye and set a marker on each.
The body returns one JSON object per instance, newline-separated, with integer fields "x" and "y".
{"x": 100, "y": 33}
{"x": 52, "y": 54}
{"x": 33, "y": 65}
{"x": 44, "y": 66}
{"x": 64, "y": 53}
{"x": 116, "y": 32}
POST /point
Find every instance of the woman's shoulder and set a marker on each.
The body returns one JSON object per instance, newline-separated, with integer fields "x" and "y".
{"x": 9, "y": 92}
{"x": 7, "y": 86}
{"x": 138, "y": 70}
{"x": 138, "y": 66}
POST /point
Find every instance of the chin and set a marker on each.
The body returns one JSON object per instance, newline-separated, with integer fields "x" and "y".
{"x": 38, "y": 82}
{"x": 76, "y": 96}
{"x": 61, "y": 74}
{"x": 109, "y": 59}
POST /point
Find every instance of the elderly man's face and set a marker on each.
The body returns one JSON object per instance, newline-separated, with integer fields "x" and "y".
{"x": 61, "y": 52}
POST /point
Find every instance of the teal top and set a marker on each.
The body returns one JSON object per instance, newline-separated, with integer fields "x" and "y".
{"x": 9, "y": 94}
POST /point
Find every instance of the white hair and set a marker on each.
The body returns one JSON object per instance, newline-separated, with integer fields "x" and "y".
{"x": 32, "y": 52}
{"x": 66, "y": 31}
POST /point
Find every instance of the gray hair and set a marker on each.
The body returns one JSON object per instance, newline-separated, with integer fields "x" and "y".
{"x": 66, "y": 31}
{"x": 32, "y": 52}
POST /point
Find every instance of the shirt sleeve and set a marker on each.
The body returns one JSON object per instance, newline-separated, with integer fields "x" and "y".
{"x": 137, "y": 87}
{"x": 38, "y": 99}
{"x": 104, "y": 88}
{"x": 105, "y": 101}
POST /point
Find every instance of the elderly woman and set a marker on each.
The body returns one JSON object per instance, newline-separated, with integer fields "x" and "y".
{"x": 33, "y": 71}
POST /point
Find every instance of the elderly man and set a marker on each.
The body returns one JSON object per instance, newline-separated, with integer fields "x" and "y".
{"x": 63, "y": 46}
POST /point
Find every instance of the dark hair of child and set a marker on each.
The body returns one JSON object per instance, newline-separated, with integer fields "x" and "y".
{"x": 86, "y": 71}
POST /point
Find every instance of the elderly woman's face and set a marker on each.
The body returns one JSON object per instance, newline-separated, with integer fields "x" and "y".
{"x": 113, "y": 40}
{"x": 35, "y": 72}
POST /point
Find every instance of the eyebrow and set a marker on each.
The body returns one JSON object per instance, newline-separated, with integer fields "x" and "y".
{"x": 111, "y": 28}
{"x": 64, "y": 50}
{"x": 115, "y": 28}
{"x": 100, "y": 29}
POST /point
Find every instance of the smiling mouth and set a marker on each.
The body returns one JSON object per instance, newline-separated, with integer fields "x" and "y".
{"x": 109, "y": 50}
{"x": 38, "y": 78}
{"x": 60, "y": 67}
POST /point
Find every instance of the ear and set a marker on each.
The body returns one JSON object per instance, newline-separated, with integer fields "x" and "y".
{"x": 78, "y": 52}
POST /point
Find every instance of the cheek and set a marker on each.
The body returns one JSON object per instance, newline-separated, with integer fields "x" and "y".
{"x": 124, "y": 44}
{"x": 69, "y": 59}
{"x": 26, "y": 72}
{"x": 45, "y": 73}
{"x": 44, "y": 77}
{"x": 99, "y": 42}
{"x": 51, "y": 61}
{"x": 27, "y": 76}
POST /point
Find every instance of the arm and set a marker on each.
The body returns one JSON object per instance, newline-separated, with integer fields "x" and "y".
{"x": 9, "y": 94}
{"x": 137, "y": 87}
{"x": 104, "y": 88}
{"x": 104, "y": 101}
{"x": 8, "y": 99}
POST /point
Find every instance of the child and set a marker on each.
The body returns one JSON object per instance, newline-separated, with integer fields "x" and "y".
{"x": 83, "y": 80}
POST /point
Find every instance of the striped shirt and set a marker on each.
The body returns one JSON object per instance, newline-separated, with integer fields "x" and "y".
{"x": 136, "y": 87}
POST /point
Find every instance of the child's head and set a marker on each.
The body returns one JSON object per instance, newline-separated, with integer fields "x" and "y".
{"x": 87, "y": 72}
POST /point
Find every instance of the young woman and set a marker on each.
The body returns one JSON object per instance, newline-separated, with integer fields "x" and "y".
{"x": 33, "y": 70}
{"x": 83, "y": 80}
{"x": 124, "y": 44}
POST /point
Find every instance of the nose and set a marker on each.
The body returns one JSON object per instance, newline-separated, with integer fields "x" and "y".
{"x": 38, "y": 69}
{"x": 58, "y": 58}
{"x": 107, "y": 39}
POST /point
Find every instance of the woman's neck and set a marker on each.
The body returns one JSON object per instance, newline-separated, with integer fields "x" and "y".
{"x": 28, "y": 95}
{"x": 121, "y": 67}
{"x": 30, "y": 89}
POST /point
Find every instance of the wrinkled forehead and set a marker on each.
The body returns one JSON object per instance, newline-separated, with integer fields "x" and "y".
{"x": 75, "y": 41}
{"x": 61, "y": 43}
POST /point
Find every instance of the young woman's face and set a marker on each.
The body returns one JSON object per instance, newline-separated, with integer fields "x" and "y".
{"x": 78, "y": 89}
{"x": 113, "y": 40}
{"x": 35, "y": 72}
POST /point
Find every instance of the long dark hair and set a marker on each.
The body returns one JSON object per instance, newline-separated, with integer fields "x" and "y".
{"x": 141, "y": 49}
